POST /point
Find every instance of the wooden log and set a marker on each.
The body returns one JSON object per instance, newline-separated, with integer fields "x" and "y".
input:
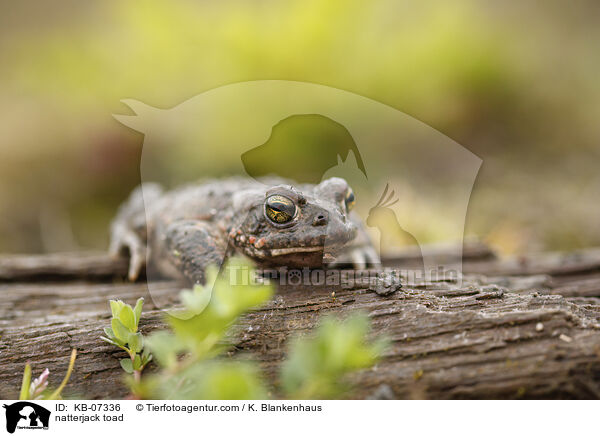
{"x": 562, "y": 269}
{"x": 89, "y": 265}
{"x": 442, "y": 253}
{"x": 472, "y": 341}
{"x": 555, "y": 264}
{"x": 100, "y": 266}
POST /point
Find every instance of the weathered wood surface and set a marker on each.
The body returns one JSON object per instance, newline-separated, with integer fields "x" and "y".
{"x": 65, "y": 265}
{"x": 536, "y": 336}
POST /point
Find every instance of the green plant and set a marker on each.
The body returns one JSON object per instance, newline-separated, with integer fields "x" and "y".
{"x": 316, "y": 366}
{"x": 36, "y": 389}
{"x": 123, "y": 332}
{"x": 189, "y": 354}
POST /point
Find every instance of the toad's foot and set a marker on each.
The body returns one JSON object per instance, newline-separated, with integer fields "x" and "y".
{"x": 124, "y": 239}
{"x": 383, "y": 283}
{"x": 193, "y": 246}
{"x": 359, "y": 257}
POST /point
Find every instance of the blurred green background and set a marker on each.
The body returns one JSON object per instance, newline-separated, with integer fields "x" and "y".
{"x": 515, "y": 82}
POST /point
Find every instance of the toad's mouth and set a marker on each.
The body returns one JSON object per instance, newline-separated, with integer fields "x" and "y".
{"x": 294, "y": 250}
{"x": 313, "y": 256}
{"x": 305, "y": 255}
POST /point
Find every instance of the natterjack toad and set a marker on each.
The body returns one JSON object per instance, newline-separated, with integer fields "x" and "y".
{"x": 182, "y": 232}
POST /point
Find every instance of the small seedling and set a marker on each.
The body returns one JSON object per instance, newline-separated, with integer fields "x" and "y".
{"x": 123, "y": 333}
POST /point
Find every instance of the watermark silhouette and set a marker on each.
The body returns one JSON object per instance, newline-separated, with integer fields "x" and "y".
{"x": 384, "y": 218}
{"x": 305, "y": 133}
{"x": 302, "y": 148}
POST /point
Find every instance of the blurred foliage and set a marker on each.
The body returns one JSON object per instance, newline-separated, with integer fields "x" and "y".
{"x": 188, "y": 353}
{"x": 315, "y": 365}
{"x": 192, "y": 365}
{"x": 515, "y": 82}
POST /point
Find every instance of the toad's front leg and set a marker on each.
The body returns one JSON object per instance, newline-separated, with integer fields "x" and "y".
{"x": 192, "y": 246}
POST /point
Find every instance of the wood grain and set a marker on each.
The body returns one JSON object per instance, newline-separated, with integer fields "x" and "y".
{"x": 537, "y": 335}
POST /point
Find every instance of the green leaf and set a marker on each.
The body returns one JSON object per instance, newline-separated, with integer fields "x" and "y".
{"x": 165, "y": 347}
{"x": 146, "y": 356}
{"x": 113, "y": 342}
{"x": 56, "y": 394}
{"x": 146, "y": 359}
{"x": 137, "y": 362}
{"x": 24, "y": 395}
{"x": 196, "y": 300}
{"x": 109, "y": 332}
{"x": 136, "y": 342}
{"x": 137, "y": 310}
{"x": 127, "y": 317}
{"x": 115, "y": 307}
{"x": 126, "y": 365}
{"x": 121, "y": 332}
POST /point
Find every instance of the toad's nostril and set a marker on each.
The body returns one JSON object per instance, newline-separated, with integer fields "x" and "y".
{"x": 320, "y": 220}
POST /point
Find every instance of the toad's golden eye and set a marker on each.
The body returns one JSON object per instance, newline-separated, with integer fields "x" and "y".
{"x": 280, "y": 209}
{"x": 350, "y": 199}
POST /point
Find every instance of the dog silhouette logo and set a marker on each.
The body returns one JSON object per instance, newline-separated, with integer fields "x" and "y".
{"x": 26, "y": 415}
{"x": 302, "y": 148}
